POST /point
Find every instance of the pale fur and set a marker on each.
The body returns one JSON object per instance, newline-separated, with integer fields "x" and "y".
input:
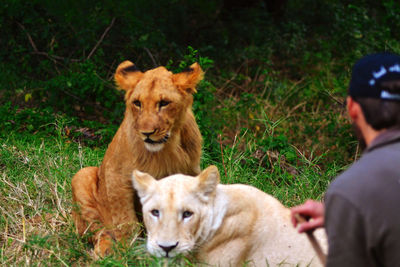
{"x": 104, "y": 196}
{"x": 231, "y": 224}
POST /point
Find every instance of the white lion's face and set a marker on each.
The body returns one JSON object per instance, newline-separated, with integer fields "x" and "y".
{"x": 175, "y": 210}
{"x": 171, "y": 216}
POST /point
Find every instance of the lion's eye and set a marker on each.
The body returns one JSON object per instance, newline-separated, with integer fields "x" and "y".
{"x": 155, "y": 213}
{"x": 163, "y": 103}
{"x": 187, "y": 214}
{"x": 137, "y": 103}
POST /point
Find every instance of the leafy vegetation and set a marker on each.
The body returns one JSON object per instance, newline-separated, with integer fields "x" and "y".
{"x": 270, "y": 108}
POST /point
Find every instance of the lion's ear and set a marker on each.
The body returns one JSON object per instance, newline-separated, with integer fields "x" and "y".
{"x": 142, "y": 182}
{"x": 207, "y": 182}
{"x": 127, "y": 75}
{"x": 189, "y": 78}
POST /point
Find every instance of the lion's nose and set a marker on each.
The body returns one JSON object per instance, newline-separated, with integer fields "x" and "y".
{"x": 147, "y": 134}
{"x": 168, "y": 248}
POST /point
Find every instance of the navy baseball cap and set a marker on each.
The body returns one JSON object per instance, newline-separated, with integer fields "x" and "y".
{"x": 370, "y": 71}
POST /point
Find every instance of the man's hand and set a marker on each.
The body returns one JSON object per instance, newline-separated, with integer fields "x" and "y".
{"x": 310, "y": 209}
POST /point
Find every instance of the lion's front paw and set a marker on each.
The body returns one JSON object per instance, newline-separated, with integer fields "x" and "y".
{"x": 103, "y": 245}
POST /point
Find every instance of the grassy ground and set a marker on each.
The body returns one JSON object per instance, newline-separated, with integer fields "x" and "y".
{"x": 264, "y": 145}
{"x": 36, "y": 225}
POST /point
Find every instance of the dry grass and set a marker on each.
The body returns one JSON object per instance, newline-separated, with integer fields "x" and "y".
{"x": 35, "y": 204}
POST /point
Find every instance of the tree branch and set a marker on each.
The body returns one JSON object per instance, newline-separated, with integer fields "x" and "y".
{"x": 101, "y": 39}
{"x": 151, "y": 56}
{"x": 37, "y": 52}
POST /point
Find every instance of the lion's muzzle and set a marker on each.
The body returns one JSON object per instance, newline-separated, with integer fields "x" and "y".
{"x": 155, "y": 145}
{"x": 161, "y": 141}
{"x": 167, "y": 249}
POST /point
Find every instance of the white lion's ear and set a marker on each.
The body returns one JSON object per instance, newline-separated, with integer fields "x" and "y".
{"x": 187, "y": 80}
{"x": 127, "y": 75}
{"x": 142, "y": 182}
{"x": 207, "y": 182}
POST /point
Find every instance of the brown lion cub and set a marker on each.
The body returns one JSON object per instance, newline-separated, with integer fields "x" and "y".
{"x": 223, "y": 225}
{"x": 158, "y": 135}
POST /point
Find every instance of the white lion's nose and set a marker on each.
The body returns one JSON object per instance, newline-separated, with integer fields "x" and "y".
{"x": 168, "y": 248}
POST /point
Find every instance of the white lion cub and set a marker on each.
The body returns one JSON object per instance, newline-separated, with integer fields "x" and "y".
{"x": 224, "y": 225}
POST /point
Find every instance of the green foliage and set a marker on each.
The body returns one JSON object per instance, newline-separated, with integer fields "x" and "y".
{"x": 64, "y": 55}
{"x": 204, "y": 100}
{"x": 191, "y": 56}
{"x": 36, "y": 123}
{"x": 77, "y": 86}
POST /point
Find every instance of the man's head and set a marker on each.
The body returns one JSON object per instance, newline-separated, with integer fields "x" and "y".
{"x": 375, "y": 86}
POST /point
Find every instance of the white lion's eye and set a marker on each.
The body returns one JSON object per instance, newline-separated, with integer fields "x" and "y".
{"x": 187, "y": 214}
{"x": 155, "y": 213}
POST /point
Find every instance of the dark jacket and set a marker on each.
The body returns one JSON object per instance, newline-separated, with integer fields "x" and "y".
{"x": 362, "y": 208}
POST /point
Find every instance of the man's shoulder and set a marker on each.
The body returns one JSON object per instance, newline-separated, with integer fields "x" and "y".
{"x": 376, "y": 163}
{"x": 375, "y": 174}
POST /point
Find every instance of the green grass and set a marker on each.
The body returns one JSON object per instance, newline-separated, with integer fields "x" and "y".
{"x": 288, "y": 139}
{"x": 288, "y": 149}
{"x": 35, "y": 182}
{"x": 35, "y": 191}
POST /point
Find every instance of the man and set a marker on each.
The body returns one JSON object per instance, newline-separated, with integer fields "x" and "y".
{"x": 361, "y": 213}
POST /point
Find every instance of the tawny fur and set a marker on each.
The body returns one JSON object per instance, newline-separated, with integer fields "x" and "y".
{"x": 229, "y": 225}
{"x": 158, "y": 105}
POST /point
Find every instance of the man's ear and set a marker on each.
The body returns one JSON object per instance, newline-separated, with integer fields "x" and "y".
{"x": 207, "y": 182}
{"x": 188, "y": 79}
{"x": 127, "y": 75}
{"x": 142, "y": 182}
{"x": 353, "y": 108}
